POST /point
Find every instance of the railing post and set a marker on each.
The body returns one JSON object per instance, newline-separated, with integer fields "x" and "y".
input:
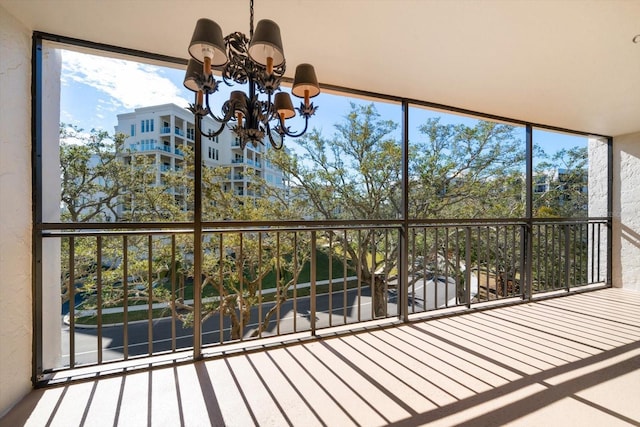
{"x": 527, "y": 241}
{"x": 197, "y": 243}
{"x": 37, "y": 362}
{"x": 403, "y": 271}
{"x": 526, "y": 290}
{"x": 312, "y": 302}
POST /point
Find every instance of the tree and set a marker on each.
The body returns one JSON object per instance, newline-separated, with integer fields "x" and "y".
{"x": 352, "y": 175}
{"x": 560, "y": 191}
{"x": 565, "y": 179}
{"x": 103, "y": 181}
{"x": 457, "y": 171}
{"x": 90, "y": 172}
{"x": 235, "y": 264}
{"x": 462, "y": 171}
{"x": 98, "y": 186}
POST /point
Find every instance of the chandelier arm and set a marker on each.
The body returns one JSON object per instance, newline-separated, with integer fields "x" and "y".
{"x": 223, "y": 120}
{"x": 209, "y": 134}
{"x": 274, "y": 144}
{"x": 299, "y": 134}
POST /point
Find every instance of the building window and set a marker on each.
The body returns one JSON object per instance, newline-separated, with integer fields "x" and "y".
{"x": 133, "y": 130}
{"x": 146, "y": 126}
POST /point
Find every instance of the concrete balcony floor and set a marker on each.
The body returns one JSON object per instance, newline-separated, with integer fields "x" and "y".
{"x": 565, "y": 361}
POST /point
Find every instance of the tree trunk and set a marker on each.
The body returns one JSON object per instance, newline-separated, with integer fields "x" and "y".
{"x": 379, "y": 300}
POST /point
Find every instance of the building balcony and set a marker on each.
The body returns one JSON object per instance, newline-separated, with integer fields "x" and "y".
{"x": 562, "y": 361}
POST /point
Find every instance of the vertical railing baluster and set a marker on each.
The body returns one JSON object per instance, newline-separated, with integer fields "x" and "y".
{"x": 240, "y": 267}
{"x": 457, "y": 270}
{"x": 424, "y": 272}
{"x": 538, "y": 257}
{"x": 467, "y": 271}
{"x": 599, "y": 251}
{"x": 278, "y": 287}
{"x": 591, "y": 230}
{"x": 516, "y": 263}
{"x": 488, "y": 255}
{"x": 374, "y": 298}
{"x": 584, "y": 254}
{"x": 481, "y": 262}
{"x": 547, "y": 282}
{"x": 72, "y": 302}
{"x": 221, "y": 294}
{"x": 330, "y": 275}
{"x": 125, "y": 296}
{"x": 479, "y": 254}
{"x": 345, "y": 286}
{"x": 150, "y": 294}
{"x": 386, "y": 272}
{"x": 555, "y": 267}
{"x": 260, "y": 285}
{"x": 360, "y": 274}
{"x": 312, "y": 302}
{"x": 412, "y": 269}
{"x": 505, "y": 261}
{"x": 173, "y": 292}
{"x": 567, "y": 256}
{"x": 295, "y": 283}
{"x": 446, "y": 267}
{"x": 436, "y": 271}
{"x": 500, "y": 276}
{"x": 99, "y": 295}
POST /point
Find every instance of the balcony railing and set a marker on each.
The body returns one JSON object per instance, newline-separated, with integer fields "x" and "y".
{"x": 129, "y": 290}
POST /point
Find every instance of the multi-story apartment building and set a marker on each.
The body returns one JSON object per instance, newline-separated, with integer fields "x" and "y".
{"x": 163, "y": 131}
{"x": 565, "y": 186}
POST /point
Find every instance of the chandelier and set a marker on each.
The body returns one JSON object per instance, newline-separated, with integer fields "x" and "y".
{"x": 257, "y": 61}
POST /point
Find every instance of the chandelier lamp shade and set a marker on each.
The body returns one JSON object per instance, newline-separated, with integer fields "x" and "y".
{"x": 259, "y": 63}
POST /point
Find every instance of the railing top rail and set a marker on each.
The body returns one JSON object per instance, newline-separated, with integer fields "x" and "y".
{"x": 86, "y": 228}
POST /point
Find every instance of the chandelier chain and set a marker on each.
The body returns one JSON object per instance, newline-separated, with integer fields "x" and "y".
{"x": 251, "y": 19}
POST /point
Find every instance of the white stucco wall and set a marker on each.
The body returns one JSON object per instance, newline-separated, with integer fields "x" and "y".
{"x": 626, "y": 211}
{"x": 51, "y": 183}
{"x": 15, "y": 211}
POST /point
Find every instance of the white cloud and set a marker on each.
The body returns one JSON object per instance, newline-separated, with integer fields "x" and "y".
{"x": 128, "y": 84}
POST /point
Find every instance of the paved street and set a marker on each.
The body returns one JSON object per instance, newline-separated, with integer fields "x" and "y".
{"x": 338, "y": 309}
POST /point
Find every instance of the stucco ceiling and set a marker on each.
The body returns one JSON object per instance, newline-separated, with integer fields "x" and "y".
{"x": 564, "y": 63}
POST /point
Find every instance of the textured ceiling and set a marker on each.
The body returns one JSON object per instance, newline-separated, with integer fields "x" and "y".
{"x": 565, "y": 63}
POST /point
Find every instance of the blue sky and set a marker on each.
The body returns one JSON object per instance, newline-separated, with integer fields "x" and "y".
{"x": 95, "y": 89}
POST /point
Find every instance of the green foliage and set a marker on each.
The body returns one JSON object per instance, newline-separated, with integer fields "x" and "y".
{"x": 566, "y": 175}
{"x": 460, "y": 171}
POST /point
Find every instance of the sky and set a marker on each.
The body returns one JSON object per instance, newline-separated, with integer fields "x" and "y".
{"x": 95, "y": 89}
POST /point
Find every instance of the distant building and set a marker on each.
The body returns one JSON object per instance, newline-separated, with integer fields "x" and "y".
{"x": 163, "y": 131}
{"x": 566, "y": 185}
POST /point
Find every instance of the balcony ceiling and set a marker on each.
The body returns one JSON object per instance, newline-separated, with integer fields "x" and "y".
{"x": 564, "y": 63}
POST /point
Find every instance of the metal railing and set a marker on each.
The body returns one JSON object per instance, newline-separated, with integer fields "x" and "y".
{"x": 128, "y": 289}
